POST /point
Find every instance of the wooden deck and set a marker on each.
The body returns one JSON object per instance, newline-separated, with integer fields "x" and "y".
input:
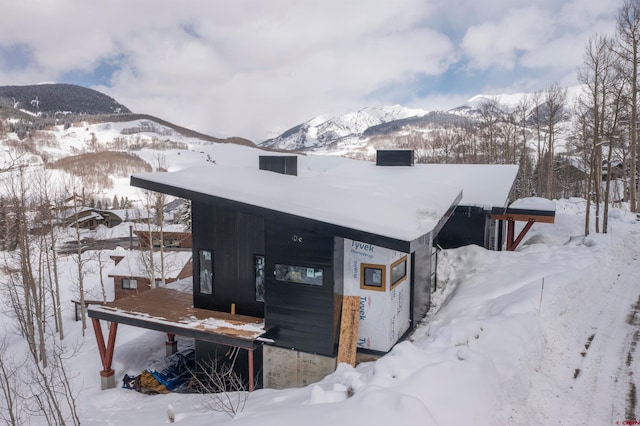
{"x": 171, "y": 311}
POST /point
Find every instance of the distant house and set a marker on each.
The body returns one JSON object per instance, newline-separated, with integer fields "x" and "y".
{"x": 131, "y": 273}
{"x": 171, "y": 239}
{"x": 83, "y": 217}
{"x": 292, "y": 241}
{"x": 91, "y": 218}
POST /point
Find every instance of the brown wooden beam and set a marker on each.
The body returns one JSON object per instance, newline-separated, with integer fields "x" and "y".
{"x": 510, "y": 232}
{"x": 523, "y": 217}
{"x": 512, "y": 243}
{"x": 251, "y": 382}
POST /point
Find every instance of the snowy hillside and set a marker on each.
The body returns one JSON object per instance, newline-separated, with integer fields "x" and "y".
{"x": 85, "y": 149}
{"x": 545, "y": 335}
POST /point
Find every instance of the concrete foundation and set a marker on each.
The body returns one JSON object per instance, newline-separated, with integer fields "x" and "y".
{"x": 107, "y": 382}
{"x": 286, "y": 368}
{"x": 171, "y": 347}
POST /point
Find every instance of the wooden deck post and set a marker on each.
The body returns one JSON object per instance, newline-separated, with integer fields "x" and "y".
{"x": 106, "y": 352}
{"x": 252, "y": 385}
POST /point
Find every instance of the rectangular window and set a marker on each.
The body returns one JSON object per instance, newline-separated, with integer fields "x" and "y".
{"x": 398, "y": 271}
{"x": 129, "y": 284}
{"x": 373, "y": 277}
{"x": 298, "y": 274}
{"x": 206, "y": 271}
{"x": 259, "y": 268}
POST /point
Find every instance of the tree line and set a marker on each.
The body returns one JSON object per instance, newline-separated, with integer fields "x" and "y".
{"x": 597, "y": 130}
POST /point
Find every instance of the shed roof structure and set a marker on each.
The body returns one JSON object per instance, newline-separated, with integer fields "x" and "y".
{"x": 398, "y": 204}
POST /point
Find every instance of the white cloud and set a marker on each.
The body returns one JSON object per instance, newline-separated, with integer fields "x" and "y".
{"x": 499, "y": 43}
{"x": 250, "y": 67}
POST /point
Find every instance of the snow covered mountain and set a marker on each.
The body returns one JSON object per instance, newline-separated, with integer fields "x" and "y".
{"x": 326, "y": 130}
{"x": 358, "y": 134}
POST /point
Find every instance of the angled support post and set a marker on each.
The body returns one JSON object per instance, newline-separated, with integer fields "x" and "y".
{"x": 106, "y": 352}
{"x": 511, "y": 243}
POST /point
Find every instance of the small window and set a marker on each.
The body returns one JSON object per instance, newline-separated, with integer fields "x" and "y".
{"x": 373, "y": 277}
{"x": 298, "y": 274}
{"x": 398, "y": 271}
{"x": 259, "y": 268}
{"x": 129, "y": 284}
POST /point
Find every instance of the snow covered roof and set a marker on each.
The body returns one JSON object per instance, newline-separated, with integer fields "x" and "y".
{"x": 135, "y": 264}
{"x": 534, "y": 203}
{"x": 404, "y": 203}
{"x": 386, "y": 201}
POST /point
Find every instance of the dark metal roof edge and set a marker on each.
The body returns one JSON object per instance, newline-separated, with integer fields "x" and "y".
{"x": 530, "y": 212}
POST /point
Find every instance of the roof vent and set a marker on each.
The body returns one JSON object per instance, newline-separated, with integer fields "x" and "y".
{"x": 283, "y": 164}
{"x": 394, "y": 157}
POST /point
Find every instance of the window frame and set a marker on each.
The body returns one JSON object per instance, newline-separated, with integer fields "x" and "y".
{"x": 400, "y": 261}
{"x": 211, "y": 274}
{"x": 315, "y": 269}
{"x": 383, "y": 272}
{"x": 259, "y": 272}
{"x": 129, "y": 281}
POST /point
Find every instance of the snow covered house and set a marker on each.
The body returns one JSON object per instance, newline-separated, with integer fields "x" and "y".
{"x": 131, "y": 273}
{"x": 286, "y": 242}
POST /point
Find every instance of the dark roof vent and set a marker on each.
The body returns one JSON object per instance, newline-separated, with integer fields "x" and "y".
{"x": 283, "y": 164}
{"x": 394, "y": 157}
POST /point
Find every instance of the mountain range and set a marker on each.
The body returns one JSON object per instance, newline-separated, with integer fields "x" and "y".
{"x": 354, "y": 134}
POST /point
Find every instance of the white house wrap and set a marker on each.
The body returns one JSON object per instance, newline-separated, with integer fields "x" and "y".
{"x": 384, "y": 296}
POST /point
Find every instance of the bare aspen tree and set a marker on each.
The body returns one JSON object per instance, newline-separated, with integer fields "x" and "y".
{"x": 27, "y": 298}
{"x": 628, "y": 51}
{"x": 598, "y": 74}
{"x": 537, "y": 116}
{"x": 162, "y": 165}
{"x": 490, "y": 116}
{"x": 520, "y": 114}
{"x": 11, "y": 400}
{"x": 555, "y": 100}
{"x": 49, "y": 223}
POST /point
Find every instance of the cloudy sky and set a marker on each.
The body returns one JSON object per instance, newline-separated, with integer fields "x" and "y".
{"x": 254, "y": 68}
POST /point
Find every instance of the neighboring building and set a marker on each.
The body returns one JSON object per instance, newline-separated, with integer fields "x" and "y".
{"x": 287, "y": 242}
{"x": 486, "y": 188}
{"x": 171, "y": 239}
{"x": 83, "y": 217}
{"x": 131, "y": 272}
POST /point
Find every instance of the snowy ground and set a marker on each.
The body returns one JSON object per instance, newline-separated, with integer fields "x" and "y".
{"x": 544, "y": 335}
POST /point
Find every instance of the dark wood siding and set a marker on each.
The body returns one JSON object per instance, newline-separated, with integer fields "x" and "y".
{"x": 467, "y": 225}
{"x": 301, "y": 316}
{"x": 234, "y": 237}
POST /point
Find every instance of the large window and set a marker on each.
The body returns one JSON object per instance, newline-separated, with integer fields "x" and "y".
{"x": 129, "y": 284}
{"x": 398, "y": 271}
{"x": 298, "y": 274}
{"x": 373, "y": 277}
{"x": 206, "y": 271}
